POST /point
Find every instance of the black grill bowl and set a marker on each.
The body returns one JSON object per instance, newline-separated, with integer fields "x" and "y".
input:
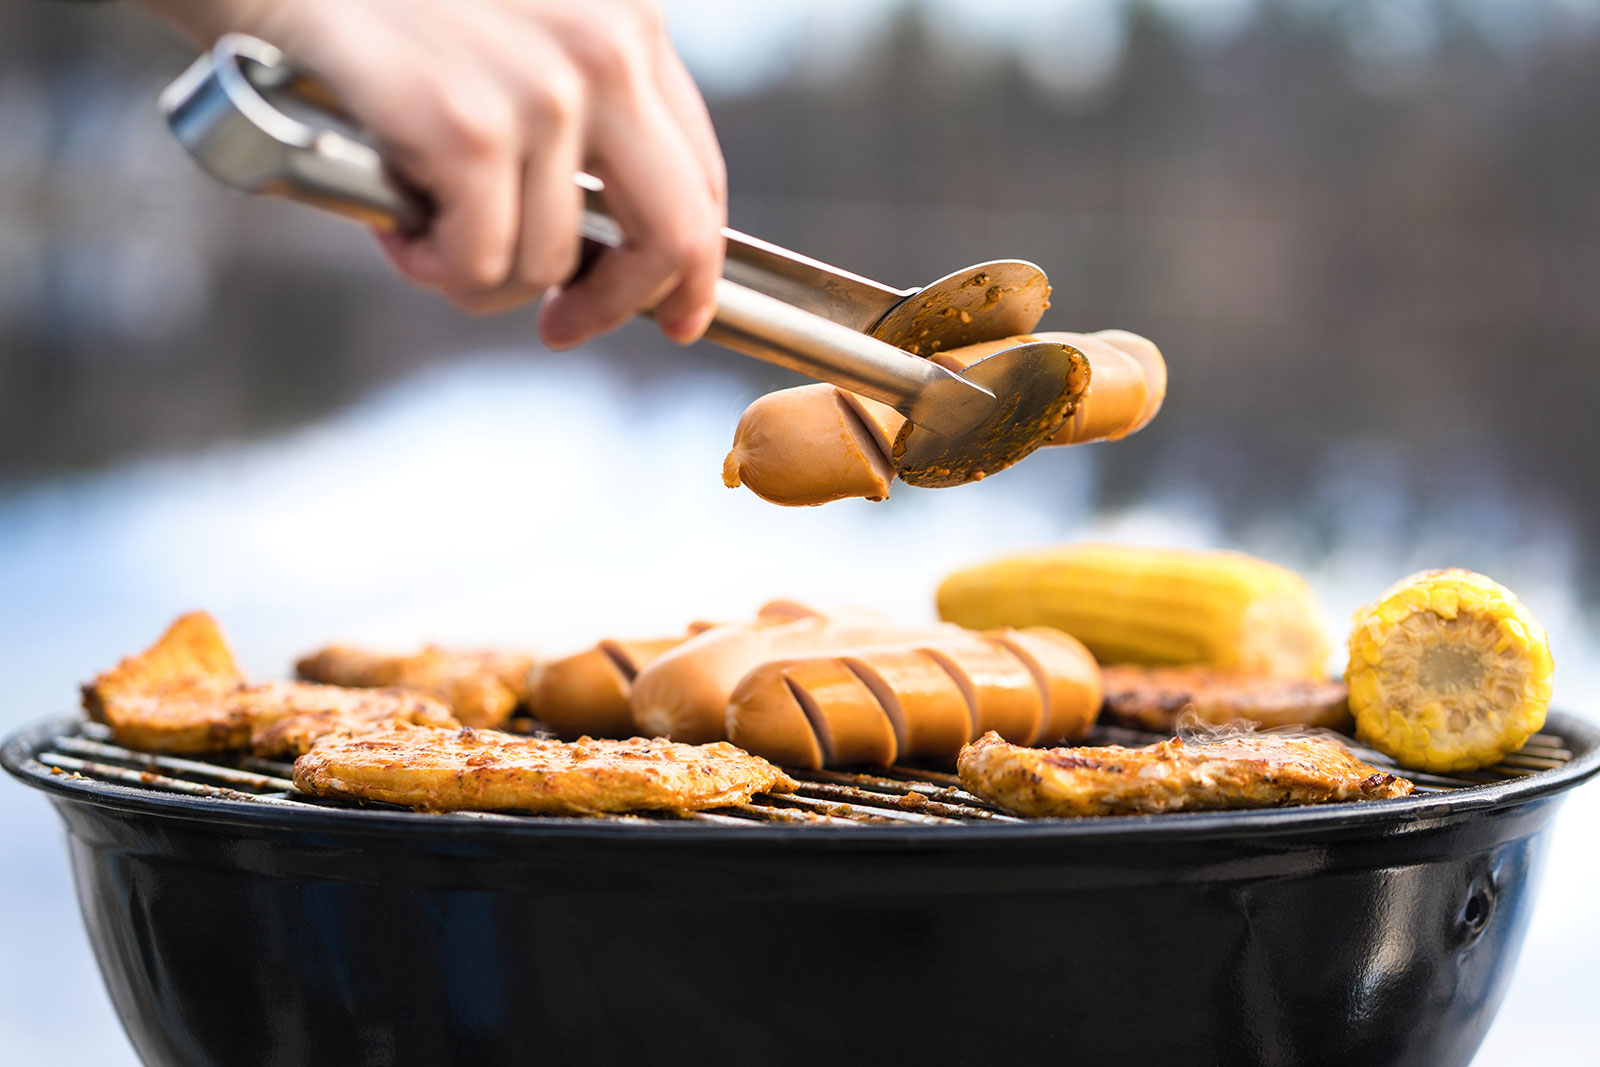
{"x": 242, "y": 934}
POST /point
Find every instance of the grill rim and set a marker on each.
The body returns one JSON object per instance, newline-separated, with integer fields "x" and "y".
{"x": 20, "y": 749}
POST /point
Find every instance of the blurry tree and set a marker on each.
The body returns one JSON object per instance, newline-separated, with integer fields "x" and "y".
{"x": 1346, "y": 222}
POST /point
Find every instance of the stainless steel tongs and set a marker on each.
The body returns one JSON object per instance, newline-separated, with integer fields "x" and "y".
{"x": 254, "y": 122}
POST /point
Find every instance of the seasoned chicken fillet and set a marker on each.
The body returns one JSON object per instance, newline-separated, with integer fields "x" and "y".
{"x": 1251, "y": 771}
{"x": 271, "y": 719}
{"x": 482, "y": 688}
{"x": 485, "y": 770}
{"x": 286, "y": 717}
{"x": 1154, "y": 698}
{"x": 200, "y": 717}
{"x": 190, "y": 653}
{"x": 184, "y": 694}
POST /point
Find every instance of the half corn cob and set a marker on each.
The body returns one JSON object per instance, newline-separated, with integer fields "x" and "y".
{"x": 1142, "y": 605}
{"x": 1448, "y": 672}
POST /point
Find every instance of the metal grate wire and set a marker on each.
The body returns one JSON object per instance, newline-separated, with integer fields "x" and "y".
{"x": 897, "y": 794}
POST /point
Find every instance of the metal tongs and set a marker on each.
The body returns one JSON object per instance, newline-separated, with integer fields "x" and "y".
{"x": 254, "y": 122}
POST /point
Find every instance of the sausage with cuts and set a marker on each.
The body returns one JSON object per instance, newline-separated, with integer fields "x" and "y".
{"x": 818, "y": 443}
{"x": 684, "y": 694}
{"x": 589, "y": 692}
{"x": 917, "y": 700}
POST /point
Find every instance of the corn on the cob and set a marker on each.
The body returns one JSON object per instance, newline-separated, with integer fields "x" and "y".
{"x": 1141, "y": 605}
{"x": 1448, "y": 672}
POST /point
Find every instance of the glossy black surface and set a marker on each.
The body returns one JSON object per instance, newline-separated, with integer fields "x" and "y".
{"x": 1375, "y": 934}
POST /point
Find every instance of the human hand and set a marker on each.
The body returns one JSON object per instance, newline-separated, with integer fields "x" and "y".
{"x": 490, "y": 107}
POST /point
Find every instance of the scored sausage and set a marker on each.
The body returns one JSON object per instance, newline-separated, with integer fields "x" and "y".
{"x": 1115, "y": 400}
{"x": 771, "y": 720}
{"x": 1148, "y": 356}
{"x": 927, "y": 710}
{"x": 1068, "y": 677}
{"x": 1001, "y": 692}
{"x": 813, "y": 444}
{"x": 684, "y": 694}
{"x": 1126, "y": 384}
{"x": 589, "y": 692}
{"x": 849, "y": 723}
{"x": 835, "y": 457}
{"x": 920, "y": 700}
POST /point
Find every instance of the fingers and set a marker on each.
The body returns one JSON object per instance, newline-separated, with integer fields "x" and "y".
{"x": 687, "y": 311}
{"x": 651, "y": 142}
{"x": 549, "y": 103}
{"x": 490, "y": 108}
{"x": 671, "y": 253}
{"x": 473, "y": 174}
{"x": 450, "y": 131}
{"x": 552, "y": 216}
{"x": 689, "y": 108}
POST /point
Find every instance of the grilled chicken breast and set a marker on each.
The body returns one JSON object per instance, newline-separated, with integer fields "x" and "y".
{"x": 199, "y": 717}
{"x": 271, "y": 719}
{"x": 185, "y": 694}
{"x": 191, "y": 653}
{"x": 486, "y": 770}
{"x": 1154, "y": 698}
{"x": 286, "y": 717}
{"x": 482, "y": 688}
{"x": 1250, "y": 771}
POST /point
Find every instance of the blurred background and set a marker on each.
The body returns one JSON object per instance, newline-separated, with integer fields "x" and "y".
{"x": 1366, "y": 235}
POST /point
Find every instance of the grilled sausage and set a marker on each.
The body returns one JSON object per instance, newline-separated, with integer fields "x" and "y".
{"x": 588, "y": 692}
{"x": 1068, "y": 678}
{"x": 1111, "y": 406}
{"x": 920, "y": 700}
{"x": 1127, "y": 381}
{"x": 835, "y": 457}
{"x": 771, "y": 720}
{"x": 817, "y": 443}
{"x": 849, "y": 723}
{"x": 771, "y": 611}
{"x": 1000, "y": 691}
{"x": 684, "y": 694}
{"x": 926, "y": 708}
{"x": 1148, "y": 356}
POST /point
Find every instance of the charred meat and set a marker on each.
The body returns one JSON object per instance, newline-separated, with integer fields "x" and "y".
{"x": 271, "y": 719}
{"x": 1155, "y": 698}
{"x": 1246, "y": 771}
{"x": 434, "y": 769}
{"x": 482, "y": 688}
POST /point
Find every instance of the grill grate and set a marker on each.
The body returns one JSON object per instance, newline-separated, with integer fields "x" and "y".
{"x": 902, "y": 795}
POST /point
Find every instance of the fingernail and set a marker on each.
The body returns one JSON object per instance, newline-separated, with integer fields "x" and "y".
{"x": 558, "y": 336}
{"x": 688, "y": 329}
{"x": 558, "y": 340}
{"x": 549, "y": 317}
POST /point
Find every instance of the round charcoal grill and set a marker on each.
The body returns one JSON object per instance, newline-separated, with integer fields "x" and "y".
{"x": 886, "y": 916}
